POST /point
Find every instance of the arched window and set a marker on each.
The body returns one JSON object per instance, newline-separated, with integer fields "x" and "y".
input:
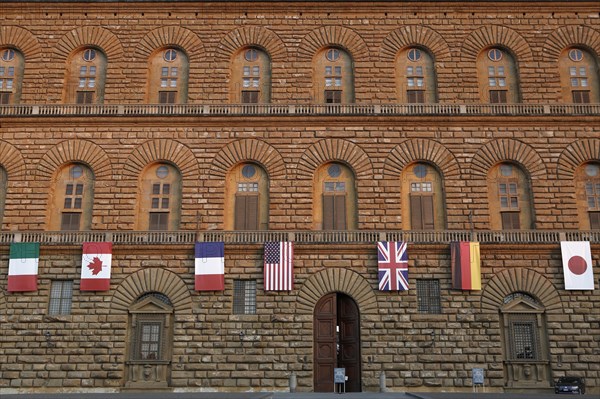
{"x": 335, "y": 198}
{"x": 415, "y": 74}
{"x": 334, "y": 77}
{"x": 150, "y": 342}
{"x": 509, "y": 198}
{"x": 247, "y": 194}
{"x": 579, "y": 76}
{"x": 72, "y": 198}
{"x": 526, "y": 353}
{"x": 3, "y": 186}
{"x": 498, "y": 78}
{"x": 251, "y": 77}
{"x": 423, "y": 205}
{"x": 587, "y": 186}
{"x": 86, "y": 75}
{"x": 160, "y": 198}
{"x": 12, "y": 65}
{"x": 168, "y": 77}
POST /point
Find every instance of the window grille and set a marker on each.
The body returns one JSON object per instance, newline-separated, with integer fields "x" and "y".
{"x": 244, "y": 297}
{"x": 428, "y": 296}
{"x": 524, "y": 339}
{"x": 61, "y": 296}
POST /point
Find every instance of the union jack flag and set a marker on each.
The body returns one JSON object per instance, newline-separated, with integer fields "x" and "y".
{"x": 392, "y": 260}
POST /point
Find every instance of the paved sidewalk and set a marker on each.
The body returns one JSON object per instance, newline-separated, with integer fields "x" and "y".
{"x": 274, "y": 395}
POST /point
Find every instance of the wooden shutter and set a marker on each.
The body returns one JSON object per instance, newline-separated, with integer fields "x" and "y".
{"x": 5, "y": 98}
{"x": 498, "y": 97}
{"x": 158, "y": 221}
{"x": 166, "y": 97}
{"x": 249, "y": 97}
{"x": 415, "y": 96}
{"x": 594, "y": 220}
{"x": 246, "y": 212}
{"x": 339, "y": 212}
{"x": 328, "y": 212}
{"x": 85, "y": 97}
{"x": 581, "y": 96}
{"x": 70, "y": 221}
{"x": 334, "y": 212}
{"x": 510, "y": 221}
{"x": 421, "y": 212}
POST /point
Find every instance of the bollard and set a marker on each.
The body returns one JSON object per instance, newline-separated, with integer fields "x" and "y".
{"x": 382, "y": 387}
{"x": 293, "y": 382}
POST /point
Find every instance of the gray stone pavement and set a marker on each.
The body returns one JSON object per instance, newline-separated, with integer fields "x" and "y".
{"x": 276, "y": 395}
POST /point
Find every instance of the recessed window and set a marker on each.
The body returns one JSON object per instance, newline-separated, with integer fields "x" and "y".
{"x": 8, "y": 55}
{"x": 61, "y": 295}
{"x": 89, "y": 55}
{"x": 576, "y": 55}
{"x": 170, "y": 55}
{"x": 495, "y": 54}
{"x": 333, "y": 54}
{"x": 251, "y": 55}
{"x": 414, "y": 54}
{"x": 248, "y": 171}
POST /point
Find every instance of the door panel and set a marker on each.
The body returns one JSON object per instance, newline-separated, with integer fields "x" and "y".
{"x": 333, "y": 349}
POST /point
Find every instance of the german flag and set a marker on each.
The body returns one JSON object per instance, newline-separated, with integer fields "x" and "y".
{"x": 466, "y": 265}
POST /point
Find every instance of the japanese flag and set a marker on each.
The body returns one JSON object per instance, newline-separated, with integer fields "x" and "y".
{"x": 577, "y": 265}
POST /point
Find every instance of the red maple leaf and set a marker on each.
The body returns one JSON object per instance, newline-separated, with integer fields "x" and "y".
{"x": 95, "y": 266}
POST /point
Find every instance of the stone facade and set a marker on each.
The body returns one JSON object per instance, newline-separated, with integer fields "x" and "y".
{"x": 209, "y": 347}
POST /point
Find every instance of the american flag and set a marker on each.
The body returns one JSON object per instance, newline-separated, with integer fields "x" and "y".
{"x": 279, "y": 268}
{"x": 392, "y": 260}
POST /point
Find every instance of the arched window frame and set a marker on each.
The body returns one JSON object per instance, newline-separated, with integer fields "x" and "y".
{"x": 251, "y": 76}
{"x": 587, "y": 192}
{"x": 579, "y": 76}
{"x": 498, "y": 76}
{"x": 415, "y": 75}
{"x": 510, "y": 197}
{"x": 168, "y": 76}
{"x": 72, "y": 198}
{"x": 333, "y": 76}
{"x": 86, "y": 76}
{"x": 12, "y": 66}
{"x": 423, "y": 197}
{"x": 159, "y": 199}
{"x": 247, "y": 198}
{"x": 3, "y": 190}
{"x": 335, "y": 197}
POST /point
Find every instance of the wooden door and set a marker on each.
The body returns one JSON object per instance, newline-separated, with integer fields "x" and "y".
{"x": 337, "y": 342}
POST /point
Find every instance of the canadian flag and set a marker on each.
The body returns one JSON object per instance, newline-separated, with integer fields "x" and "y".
{"x": 577, "y": 265}
{"x": 95, "y": 266}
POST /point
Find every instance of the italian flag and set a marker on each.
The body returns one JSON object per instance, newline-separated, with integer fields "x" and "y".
{"x": 23, "y": 266}
{"x": 95, "y": 266}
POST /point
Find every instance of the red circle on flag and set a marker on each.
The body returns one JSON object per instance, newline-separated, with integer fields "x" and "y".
{"x": 577, "y": 265}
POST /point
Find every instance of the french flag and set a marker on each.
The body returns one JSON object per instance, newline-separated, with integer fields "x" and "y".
{"x": 96, "y": 263}
{"x": 210, "y": 266}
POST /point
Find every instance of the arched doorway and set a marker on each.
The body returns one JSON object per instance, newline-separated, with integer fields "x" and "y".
{"x": 336, "y": 342}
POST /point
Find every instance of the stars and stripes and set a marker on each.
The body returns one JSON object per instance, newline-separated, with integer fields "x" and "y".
{"x": 392, "y": 260}
{"x": 279, "y": 269}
